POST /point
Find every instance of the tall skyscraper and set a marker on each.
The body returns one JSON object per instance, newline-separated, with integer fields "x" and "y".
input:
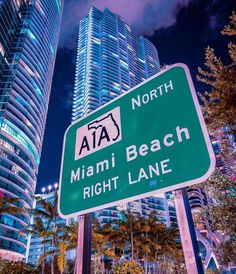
{"x": 110, "y": 61}
{"x": 29, "y": 32}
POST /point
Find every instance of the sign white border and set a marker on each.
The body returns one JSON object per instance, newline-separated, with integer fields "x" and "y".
{"x": 154, "y": 192}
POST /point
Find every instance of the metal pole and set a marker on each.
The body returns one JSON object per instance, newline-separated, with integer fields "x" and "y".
{"x": 83, "y": 254}
{"x": 187, "y": 233}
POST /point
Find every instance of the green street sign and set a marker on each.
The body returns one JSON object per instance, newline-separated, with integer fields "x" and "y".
{"x": 152, "y": 139}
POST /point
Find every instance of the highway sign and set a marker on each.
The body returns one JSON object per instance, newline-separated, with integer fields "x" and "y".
{"x": 150, "y": 140}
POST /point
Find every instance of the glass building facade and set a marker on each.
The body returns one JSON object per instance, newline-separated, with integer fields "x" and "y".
{"x": 29, "y": 31}
{"x": 110, "y": 61}
{"x": 161, "y": 205}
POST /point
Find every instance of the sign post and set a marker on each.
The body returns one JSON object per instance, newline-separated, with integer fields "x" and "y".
{"x": 83, "y": 252}
{"x": 187, "y": 232}
{"x": 151, "y": 139}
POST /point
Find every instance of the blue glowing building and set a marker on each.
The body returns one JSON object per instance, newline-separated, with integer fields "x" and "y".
{"x": 29, "y": 31}
{"x": 110, "y": 61}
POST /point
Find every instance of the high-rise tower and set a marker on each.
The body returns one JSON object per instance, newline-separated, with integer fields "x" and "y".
{"x": 29, "y": 31}
{"x": 110, "y": 61}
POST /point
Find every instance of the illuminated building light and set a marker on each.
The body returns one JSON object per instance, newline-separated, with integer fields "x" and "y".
{"x": 24, "y": 30}
{"x": 31, "y": 35}
{"x": 96, "y": 40}
{"x": 114, "y": 54}
{"x": 21, "y": 100}
{"x": 112, "y": 37}
{"x": 2, "y": 51}
{"x": 52, "y": 50}
{"x": 82, "y": 51}
{"x": 115, "y": 87}
{"x": 116, "y": 84}
{"x": 128, "y": 27}
{"x": 122, "y": 35}
{"x": 130, "y": 48}
{"x": 124, "y": 64}
{"x": 37, "y": 89}
{"x": 23, "y": 64}
{"x": 20, "y": 136}
{"x": 126, "y": 86}
{"x": 28, "y": 123}
{"x": 141, "y": 60}
{"x": 39, "y": 7}
{"x": 58, "y": 6}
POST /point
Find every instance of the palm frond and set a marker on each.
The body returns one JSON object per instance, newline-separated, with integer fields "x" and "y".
{"x": 44, "y": 256}
{"x": 61, "y": 262}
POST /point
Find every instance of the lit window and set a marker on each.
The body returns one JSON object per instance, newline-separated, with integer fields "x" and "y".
{"x": 20, "y": 136}
{"x": 116, "y": 84}
{"x": 31, "y": 35}
{"x": 39, "y": 7}
{"x": 6, "y": 145}
{"x": 141, "y": 60}
{"x": 124, "y": 64}
{"x": 52, "y": 50}
{"x": 2, "y": 51}
{"x": 128, "y": 27}
{"x": 58, "y": 6}
{"x": 96, "y": 40}
{"x": 114, "y": 54}
{"x": 112, "y": 37}
{"x": 23, "y": 64}
{"x": 37, "y": 89}
{"x": 15, "y": 169}
{"x": 130, "y": 48}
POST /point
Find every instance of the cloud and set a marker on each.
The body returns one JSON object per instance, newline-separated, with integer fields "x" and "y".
{"x": 214, "y": 22}
{"x": 217, "y": 14}
{"x": 145, "y": 16}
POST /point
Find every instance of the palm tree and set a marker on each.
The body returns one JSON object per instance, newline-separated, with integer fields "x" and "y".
{"x": 10, "y": 205}
{"x": 101, "y": 244}
{"x": 123, "y": 232}
{"x": 62, "y": 244}
{"x": 48, "y": 210}
{"x": 147, "y": 239}
{"x": 67, "y": 241}
{"x": 126, "y": 233}
{"x": 41, "y": 230}
{"x": 166, "y": 249}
